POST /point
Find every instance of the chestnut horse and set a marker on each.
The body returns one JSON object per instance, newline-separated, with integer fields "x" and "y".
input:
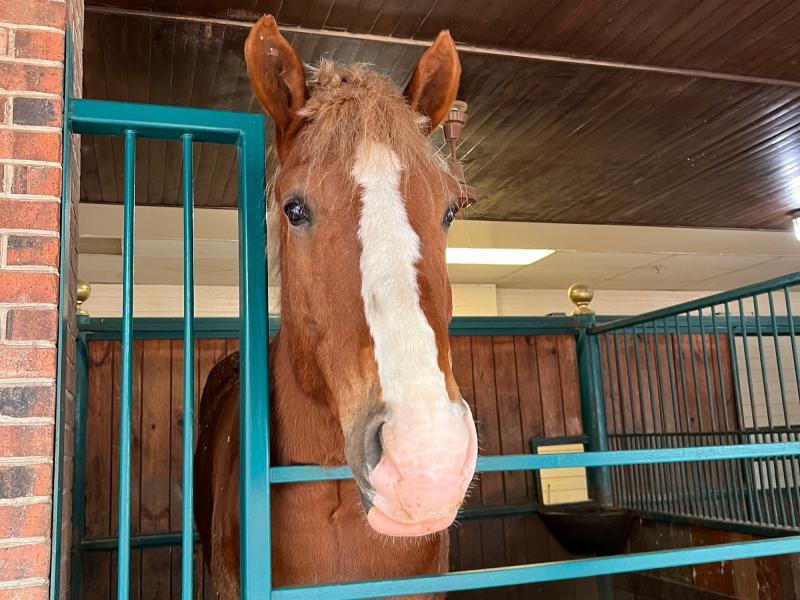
{"x": 360, "y": 370}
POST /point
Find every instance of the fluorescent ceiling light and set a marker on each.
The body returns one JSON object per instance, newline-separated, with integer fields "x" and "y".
{"x": 496, "y": 256}
{"x": 796, "y": 221}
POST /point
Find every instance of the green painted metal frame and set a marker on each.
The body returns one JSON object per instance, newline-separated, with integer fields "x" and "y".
{"x": 734, "y": 505}
{"x": 63, "y": 327}
{"x": 246, "y": 132}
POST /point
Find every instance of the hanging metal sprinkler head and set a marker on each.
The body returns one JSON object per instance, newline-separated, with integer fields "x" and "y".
{"x": 453, "y": 127}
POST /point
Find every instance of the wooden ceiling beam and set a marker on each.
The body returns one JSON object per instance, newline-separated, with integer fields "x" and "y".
{"x": 465, "y": 48}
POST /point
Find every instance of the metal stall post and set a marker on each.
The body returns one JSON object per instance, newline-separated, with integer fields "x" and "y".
{"x": 255, "y": 543}
{"x": 591, "y": 390}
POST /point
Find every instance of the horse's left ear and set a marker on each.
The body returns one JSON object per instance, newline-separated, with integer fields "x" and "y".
{"x": 434, "y": 84}
{"x": 277, "y": 76}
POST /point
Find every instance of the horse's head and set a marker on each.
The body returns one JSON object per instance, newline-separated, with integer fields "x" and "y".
{"x": 364, "y": 208}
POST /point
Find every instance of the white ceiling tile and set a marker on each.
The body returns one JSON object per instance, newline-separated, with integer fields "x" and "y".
{"x": 479, "y": 273}
{"x": 714, "y": 262}
{"x": 617, "y": 260}
{"x": 544, "y": 277}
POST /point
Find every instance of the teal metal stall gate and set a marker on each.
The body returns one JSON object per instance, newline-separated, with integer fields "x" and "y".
{"x": 246, "y": 132}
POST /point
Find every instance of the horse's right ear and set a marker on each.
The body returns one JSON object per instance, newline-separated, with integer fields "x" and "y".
{"x": 277, "y": 76}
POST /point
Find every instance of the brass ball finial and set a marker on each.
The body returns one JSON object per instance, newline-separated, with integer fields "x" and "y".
{"x": 82, "y": 293}
{"x": 581, "y": 295}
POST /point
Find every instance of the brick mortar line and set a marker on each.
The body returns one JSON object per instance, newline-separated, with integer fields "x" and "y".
{"x": 26, "y": 501}
{"x": 23, "y": 421}
{"x": 30, "y": 94}
{"x": 18, "y": 542}
{"x": 31, "y": 232}
{"x": 8, "y": 175}
{"x": 32, "y": 305}
{"x": 46, "y": 344}
{"x": 25, "y": 461}
{"x": 31, "y": 27}
{"x": 3, "y": 253}
{"x": 26, "y": 381}
{"x": 21, "y": 584}
{"x": 31, "y": 268}
{"x": 32, "y": 62}
{"x": 15, "y": 128}
{"x": 30, "y": 197}
{"x": 29, "y": 163}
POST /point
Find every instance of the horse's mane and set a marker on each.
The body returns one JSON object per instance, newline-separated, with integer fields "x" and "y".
{"x": 350, "y": 105}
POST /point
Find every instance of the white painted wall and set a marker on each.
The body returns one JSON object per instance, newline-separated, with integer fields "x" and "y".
{"x": 468, "y": 300}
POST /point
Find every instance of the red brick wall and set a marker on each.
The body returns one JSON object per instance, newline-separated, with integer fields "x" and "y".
{"x": 31, "y": 106}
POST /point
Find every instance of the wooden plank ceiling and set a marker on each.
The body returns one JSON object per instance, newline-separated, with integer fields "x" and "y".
{"x": 548, "y": 140}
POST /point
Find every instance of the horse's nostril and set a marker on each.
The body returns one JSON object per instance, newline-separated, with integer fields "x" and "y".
{"x": 373, "y": 444}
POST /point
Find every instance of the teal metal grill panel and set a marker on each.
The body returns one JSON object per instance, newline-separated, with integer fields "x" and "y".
{"x": 247, "y": 133}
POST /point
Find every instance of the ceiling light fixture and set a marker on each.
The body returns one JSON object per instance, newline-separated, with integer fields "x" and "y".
{"x": 496, "y": 256}
{"x": 796, "y": 222}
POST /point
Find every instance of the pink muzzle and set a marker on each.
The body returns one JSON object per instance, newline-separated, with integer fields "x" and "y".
{"x": 427, "y": 464}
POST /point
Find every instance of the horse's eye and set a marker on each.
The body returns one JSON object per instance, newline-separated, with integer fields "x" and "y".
{"x": 296, "y": 212}
{"x": 450, "y": 215}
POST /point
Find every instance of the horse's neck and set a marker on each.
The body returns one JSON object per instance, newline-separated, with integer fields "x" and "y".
{"x": 306, "y": 430}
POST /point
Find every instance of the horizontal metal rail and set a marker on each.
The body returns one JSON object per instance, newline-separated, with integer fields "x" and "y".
{"x": 166, "y": 328}
{"x": 539, "y": 573}
{"x": 527, "y": 462}
{"x": 778, "y": 283}
{"x": 161, "y": 540}
{"x": 103, "y": 117}
{"x": 108, "y": 328}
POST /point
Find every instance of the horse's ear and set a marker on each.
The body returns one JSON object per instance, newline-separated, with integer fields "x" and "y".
{"x": 434, "y": 84}
{"x": 277, "y": 76}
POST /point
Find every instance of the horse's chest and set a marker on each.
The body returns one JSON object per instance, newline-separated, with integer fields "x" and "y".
{"x": 321, "y": 536}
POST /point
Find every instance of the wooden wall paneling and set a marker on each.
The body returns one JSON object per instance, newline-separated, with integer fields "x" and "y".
{"x": 530, "y": 402}
{"x": 550, "y": 386}
{"x": 532, "y": 426}
{"x": 492, "y": 493}
{"x": 715, "y": 577}
{"x": 511, "y": 442}
{"x": 155, "y": 478}
{"x": 97, "y": 565}
{"x": 570, "y": 390}
{"x": 468, "y": 533}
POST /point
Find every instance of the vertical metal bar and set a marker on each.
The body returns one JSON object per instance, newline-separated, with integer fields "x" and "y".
{"x": 738, "y": 398}
{"x": 659, "y": 387}
{"x": 728, "y": 466}
{"x": 682, "y": 469}
{"x": 661, "y": 481}
{"x": 785, "y": 496}
{"x": 714, "y": 466}
{"x": 64, "y": 333}
{"x": 622, "y": 475}
{"x": 772, "y": 475}
{"x": 759, "y": 494}
{"x": 696, "y": 503}
{"x": 636, "y": 469}
{"x": 126, "y": 380}
{"x": 796, "y": 359}
{"x": 593, "y": 409}
{"x": 255, "y": 543}
{"x": 617, "y": 489}
{"x": 650, "y": 471}
{"x": 79, "y": 465}
{"x": 701, "y": 467}
{"x": 187, "y": 512}
{"x": 792, "y": 338}
{"x": 631, "y": 479}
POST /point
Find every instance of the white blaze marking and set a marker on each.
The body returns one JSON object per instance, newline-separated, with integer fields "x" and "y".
{"x": 405, "y": 345}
